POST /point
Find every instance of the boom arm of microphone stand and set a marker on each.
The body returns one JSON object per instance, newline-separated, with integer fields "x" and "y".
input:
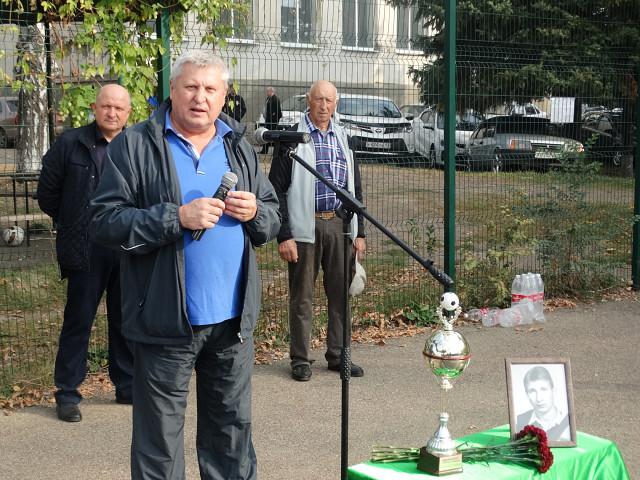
{"x": 349, "y": 202}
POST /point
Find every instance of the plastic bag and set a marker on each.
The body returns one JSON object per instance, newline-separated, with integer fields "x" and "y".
{"x": 359, "y": 279}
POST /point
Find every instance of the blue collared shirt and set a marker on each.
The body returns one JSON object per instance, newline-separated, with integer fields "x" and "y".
{"x": 213, "y": 265}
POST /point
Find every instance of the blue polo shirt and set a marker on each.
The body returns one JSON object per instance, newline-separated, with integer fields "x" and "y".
{"x": 213, "y": 265}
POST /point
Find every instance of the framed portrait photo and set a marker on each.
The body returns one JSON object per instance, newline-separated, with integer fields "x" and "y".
{"x": 540, "y": 393}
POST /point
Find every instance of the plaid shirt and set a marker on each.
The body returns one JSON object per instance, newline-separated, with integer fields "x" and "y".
{"x": 330, "y": 162}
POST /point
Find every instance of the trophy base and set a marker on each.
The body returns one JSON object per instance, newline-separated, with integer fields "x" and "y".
{"x": 438, "y": 464}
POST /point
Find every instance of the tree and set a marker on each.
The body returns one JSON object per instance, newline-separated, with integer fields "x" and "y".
{"x": 516, "y": 50}
{"x": 33, "y": 141}
{"x": 115, "y": 40}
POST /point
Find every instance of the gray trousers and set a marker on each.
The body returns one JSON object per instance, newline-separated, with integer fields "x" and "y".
{"x": 223, "y": 368}
{"x": 327, "y": 252}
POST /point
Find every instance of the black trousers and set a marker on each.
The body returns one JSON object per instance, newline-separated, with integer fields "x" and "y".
{"x": 223, "y": 366}
{"x": 84, "y": 291}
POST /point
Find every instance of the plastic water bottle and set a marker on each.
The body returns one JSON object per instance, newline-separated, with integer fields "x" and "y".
{"x": 516, "y": 290}
{"x": 520, "y": 314}
{"x": 529, "y": 286}
{"x": 524, "y": 287}
{"x": 488, "y": 316}
{"x": 538, "y": 311}
{"x": 509, "y": 317}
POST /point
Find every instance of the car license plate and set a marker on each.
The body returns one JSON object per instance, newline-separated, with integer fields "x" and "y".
{"x": 377, "y": 145}
{"x": 545, "y": 154}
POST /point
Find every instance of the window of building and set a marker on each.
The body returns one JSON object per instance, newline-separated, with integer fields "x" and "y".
{"x": 240, "y": 20}
{"x": 358, "y": 23}
{"x": 409, "y": 29}
{"x": 297, "y": 22}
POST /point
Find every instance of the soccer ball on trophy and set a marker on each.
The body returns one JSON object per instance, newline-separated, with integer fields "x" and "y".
{"x": 13, "y": 236}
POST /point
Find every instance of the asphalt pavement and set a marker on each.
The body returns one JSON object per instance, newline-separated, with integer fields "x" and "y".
{"x": 297, "y": 425}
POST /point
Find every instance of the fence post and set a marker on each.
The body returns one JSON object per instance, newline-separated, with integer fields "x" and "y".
{"x": 164, "y": 59}
{"x": 450, "y": 141}
{"x": 635, "y": 250}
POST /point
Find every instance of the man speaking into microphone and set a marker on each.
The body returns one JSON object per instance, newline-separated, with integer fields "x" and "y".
{"x": 311, "y": 232}
{"x": 189, "y": 304}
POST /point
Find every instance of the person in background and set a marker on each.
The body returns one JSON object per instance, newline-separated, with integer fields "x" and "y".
{"x": 545, "y": 414}
{"x": 272, "y": 113}
{"x": 189, "y": 305}
{"x": 234, "y": 105}
{"x": 311, "y": 233}
{"x": 71, "y": 170}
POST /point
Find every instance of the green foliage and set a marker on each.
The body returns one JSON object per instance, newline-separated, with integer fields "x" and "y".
{"x": 97, "y": 360}
{"x": 572, "y": 244}
{"x": 423, "y": 239}
{"x": 519, "y": 49}
{"x": 578, "y": 242}
{"x": 485, "y": 276}
{"x": 421, "y": 315}
{"x": 76, "y": 103}
{"x": 121, "y": 35}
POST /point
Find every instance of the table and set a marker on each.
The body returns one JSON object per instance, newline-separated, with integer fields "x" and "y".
{"x": 593, "y": 459}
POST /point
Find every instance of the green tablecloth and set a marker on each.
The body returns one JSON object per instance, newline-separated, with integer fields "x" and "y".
{"x": 593, "y": 459}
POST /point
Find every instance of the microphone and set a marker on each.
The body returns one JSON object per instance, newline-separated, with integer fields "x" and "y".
{"x": 264, "y": 136}
{"x": 228, "y": 181}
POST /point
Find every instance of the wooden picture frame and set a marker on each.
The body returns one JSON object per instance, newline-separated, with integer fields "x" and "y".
{"x": 549, "y": 394}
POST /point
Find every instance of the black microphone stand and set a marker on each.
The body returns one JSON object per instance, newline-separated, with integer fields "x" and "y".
{"x": 351, "y": 206}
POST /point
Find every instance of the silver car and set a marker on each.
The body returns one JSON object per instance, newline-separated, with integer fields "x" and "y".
{"x": 428, "y": 131}
{"x": 510, "y": 142}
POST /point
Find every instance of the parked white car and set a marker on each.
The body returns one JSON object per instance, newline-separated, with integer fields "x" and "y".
{"x": 428, "y": 130}
{"x": 376, "y": 126}
{"x": 413, "y": 110}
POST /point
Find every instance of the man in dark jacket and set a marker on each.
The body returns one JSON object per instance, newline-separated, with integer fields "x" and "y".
{"x": 189, "y": 304}
{"x": 272, "y": 113}
{"x": 70, "y": 173}
{"x": 234, "y": 105}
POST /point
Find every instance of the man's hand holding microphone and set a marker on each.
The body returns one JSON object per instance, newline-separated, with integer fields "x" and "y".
{"x": 204, "y": 213}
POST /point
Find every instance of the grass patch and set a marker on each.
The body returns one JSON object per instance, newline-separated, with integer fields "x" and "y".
{"x": 573, "y": 227}
{"x": 33, "y": 300}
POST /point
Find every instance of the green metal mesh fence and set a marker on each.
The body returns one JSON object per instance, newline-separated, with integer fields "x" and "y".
{"x": 528, "y": 198}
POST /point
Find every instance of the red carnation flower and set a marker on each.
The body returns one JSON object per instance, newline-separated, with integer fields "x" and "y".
{"x": 529, "y": 448}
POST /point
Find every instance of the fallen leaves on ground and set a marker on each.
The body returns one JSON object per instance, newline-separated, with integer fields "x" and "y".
{"x": 627, "y": 293}
{"x": 32, "y": 395}
{"x": 374, "y": 327}
{"x": 555, "y": 303}
{"x": 267, "y": 352}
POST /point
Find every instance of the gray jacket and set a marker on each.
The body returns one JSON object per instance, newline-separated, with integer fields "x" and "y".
{"x": 135, "y": 209}
{"x": 296, "y": 187}
{"x": 301, "y": 194}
